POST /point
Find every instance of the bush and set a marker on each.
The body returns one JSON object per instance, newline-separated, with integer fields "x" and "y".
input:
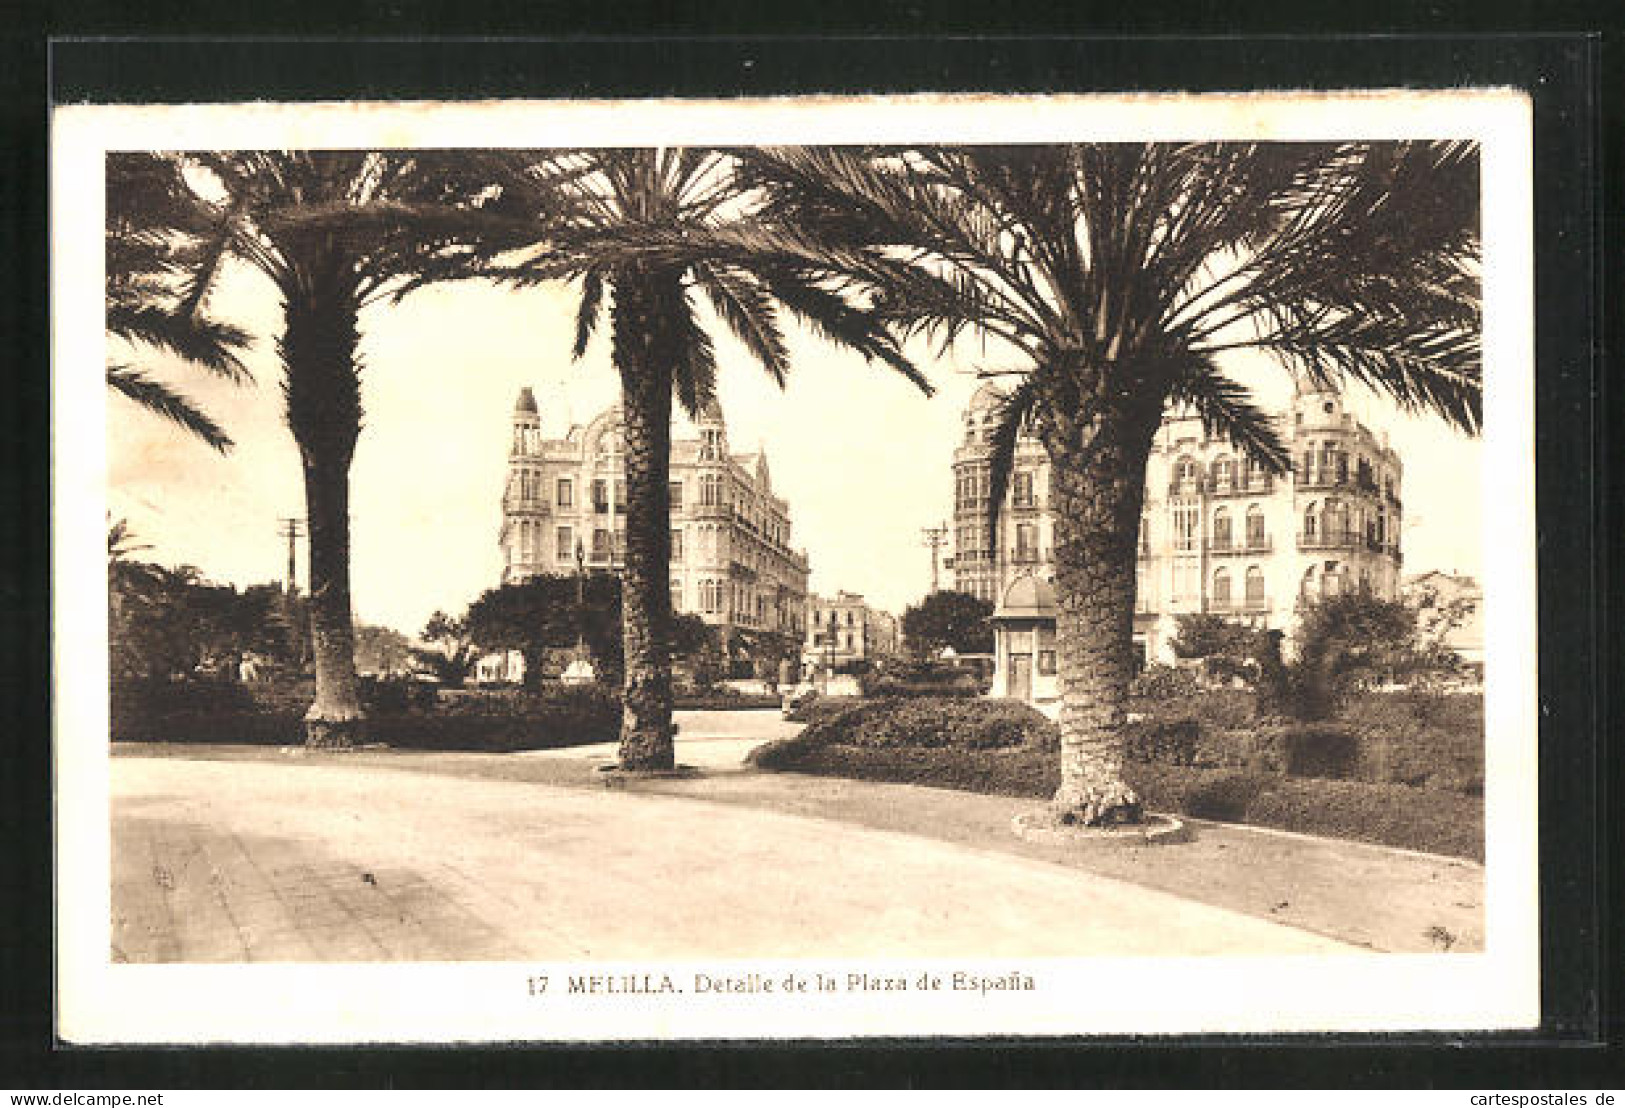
{"x": 723, "y": 699}
{"x": 816, "y": 707}
{"x": 1159, "y": 683}
{"x": 919, "y": 722}
{"x": 478, "y": 721}
{"x": 395, "y": 695}
{"x": 1421, "y": 739}
{"x": 1224, "y": 797}
{"x": 1172, "y": 742}
{"x": 1317, "y": 750}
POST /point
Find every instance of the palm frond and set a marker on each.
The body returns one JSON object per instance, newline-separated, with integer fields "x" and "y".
{"x": 592, "y": 294}
{"x": 204, "y": 342}
{"x": 747, "y": 309}
{"x": 1010, "y": 418}
{"x": 160, "y": 399}
{"x": 1226, "y": 408}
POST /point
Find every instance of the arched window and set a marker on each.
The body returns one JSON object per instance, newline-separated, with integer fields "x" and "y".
{"x": 1185, "y": 475}
{"x": 1221, "y": 588}
{"x": 1255, "y": 586}
{"x": 1336, "y": 520}
{"x": 1255, "y": 526}
{"x": 1221, "y": 529}
{"x": 1311, "y": 520}
{"x": 1224, "y": 473}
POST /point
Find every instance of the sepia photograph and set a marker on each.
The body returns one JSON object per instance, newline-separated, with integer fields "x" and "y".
{"x": 803, "y": 568}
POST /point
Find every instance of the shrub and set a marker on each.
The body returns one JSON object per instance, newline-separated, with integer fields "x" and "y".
{"x": 816, "y": 707}
{"x": 1418, "y": 819}
{"x": 1171, "y": 742}
{"x": 919, "y": 722}
{"x": 1316, "y": 750}
{"x": 394, "y": 695}
{"x": 1225, "y": 796}
{"x": 481, "y": 721}
{"x": 1161, "y": 683}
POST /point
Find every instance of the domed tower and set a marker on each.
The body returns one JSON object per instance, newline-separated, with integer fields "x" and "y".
{"x": 712, "y": 533}
{"x": 524, "y": 507}
{"x": 975, "y": 570}
{"x": 1345, "y": 497}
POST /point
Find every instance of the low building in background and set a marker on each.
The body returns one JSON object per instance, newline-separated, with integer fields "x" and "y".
{"x": 1450, "y": 613}
{"x": 844, "y": 629}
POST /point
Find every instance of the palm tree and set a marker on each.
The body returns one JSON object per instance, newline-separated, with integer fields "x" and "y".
{"x": 643, "y": 232}
{"x": 152, "y": 235}
{"x": 334, "y": 231}
{"x": 1114, "y": 279}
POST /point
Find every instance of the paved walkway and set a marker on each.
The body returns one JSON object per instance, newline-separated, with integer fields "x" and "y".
{"x": 328, "y": 859}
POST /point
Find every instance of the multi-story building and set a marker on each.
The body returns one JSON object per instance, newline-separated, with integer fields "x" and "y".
{"x": 732, "y": 562}
{"x": 1218, "y": 534}
{"x": 844, "y": 629}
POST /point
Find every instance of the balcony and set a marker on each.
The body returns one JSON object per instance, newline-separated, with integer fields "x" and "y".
{"x": 1229, "y": 605}
{"x": 1332, "y": 540}
{"x": 1258, "y": 487}
{"x": 1320, "y": 479}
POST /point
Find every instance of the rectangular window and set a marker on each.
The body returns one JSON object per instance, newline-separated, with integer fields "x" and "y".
{"x": 676, "y": 496}
{"x": 1022, "y": 494}
{"x": 600, "y": 496}
{"x": 676, "y": 593}
{"x": 566, "y": 493}
{"x": 1046, "y": 663}
{"x": 676, "y": 545}
{"x": 600, "y": 545}
{"x": 1026, "y": 543}
{"x": 565, "y": 549}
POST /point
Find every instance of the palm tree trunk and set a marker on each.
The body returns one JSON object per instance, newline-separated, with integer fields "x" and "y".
{"x": 642, "y": 353}
{"x": 1098, "y": 490}
{"x": 324, "y": 412}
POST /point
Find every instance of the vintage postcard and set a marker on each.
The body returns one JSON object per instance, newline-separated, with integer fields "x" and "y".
{"x": 801, "y": 568}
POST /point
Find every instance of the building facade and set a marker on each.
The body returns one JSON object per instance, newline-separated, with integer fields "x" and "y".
{"x": 843, "y": 629}
{"x": 1218, "y": 534}
{"x": 732, "y": 562}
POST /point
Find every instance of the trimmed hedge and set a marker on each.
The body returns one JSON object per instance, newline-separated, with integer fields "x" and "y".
{"x": 723, "y": 702}
{"x": 1005, "y": 748}
{"x": 488, "y": 722}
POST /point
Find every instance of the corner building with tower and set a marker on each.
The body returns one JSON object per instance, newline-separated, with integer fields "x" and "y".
{"x": 732, "y": 562}
{"x": 1218, "y": 534}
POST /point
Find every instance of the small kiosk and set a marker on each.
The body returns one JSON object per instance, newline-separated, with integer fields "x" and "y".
{"x": 1024, "y": 645}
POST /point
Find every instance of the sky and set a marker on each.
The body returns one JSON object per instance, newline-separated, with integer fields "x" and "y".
{"x": 863, "y": 458}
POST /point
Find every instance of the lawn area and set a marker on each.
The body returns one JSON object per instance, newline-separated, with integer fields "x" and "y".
{"x": 1398, "y": 769}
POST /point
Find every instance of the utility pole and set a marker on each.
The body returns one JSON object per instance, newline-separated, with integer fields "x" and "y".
{"x": 292, "y": 529}
{"x": 936, "y": 538}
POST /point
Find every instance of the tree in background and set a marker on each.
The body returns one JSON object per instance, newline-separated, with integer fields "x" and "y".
{"x": 952, "y": 619}
{"x": 1112, "y": 280}
{"x": 1227, "y": 649}
{"x": 451, "y": 653}
{"x": 153, "y": 234}
{"x": 540, "y": 614}
{"x": 1344, "y": 643}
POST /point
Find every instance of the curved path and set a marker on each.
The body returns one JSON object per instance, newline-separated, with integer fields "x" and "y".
{"x": 324, "y": 860}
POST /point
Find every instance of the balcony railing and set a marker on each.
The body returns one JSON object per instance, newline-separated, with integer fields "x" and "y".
{"x": 1331, "y": 540}
{"x": 1319, "y": 479}
{"x": 1259, "y": 487}
{"x": 1220, "y": 605}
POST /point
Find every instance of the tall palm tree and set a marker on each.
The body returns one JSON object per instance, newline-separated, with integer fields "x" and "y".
{"x": 1114, "y": 279}
{"x": 152, "y": 235}
{"x": 647, "y": 233}
{"x": 334, "y": 231}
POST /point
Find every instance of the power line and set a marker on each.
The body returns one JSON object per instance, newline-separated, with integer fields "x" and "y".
{"x": 936, "y": 538}
{"x": 292, "y": 529}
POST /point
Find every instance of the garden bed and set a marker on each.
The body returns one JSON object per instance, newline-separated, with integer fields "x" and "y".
{"x": 1005, "y": 748}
